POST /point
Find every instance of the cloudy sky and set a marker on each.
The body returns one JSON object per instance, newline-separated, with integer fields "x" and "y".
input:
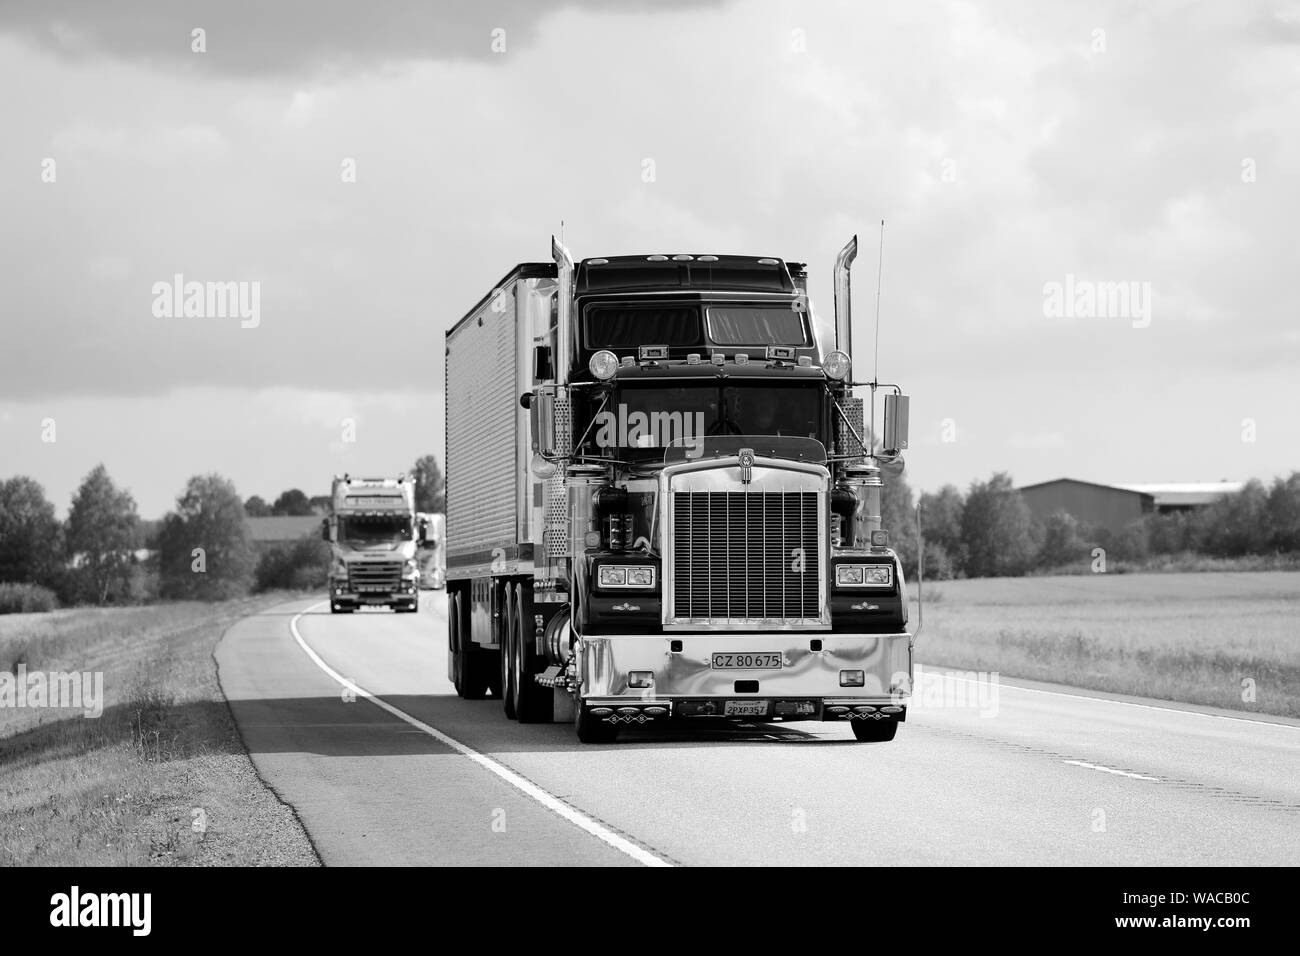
{"x": 1007, "y": 145}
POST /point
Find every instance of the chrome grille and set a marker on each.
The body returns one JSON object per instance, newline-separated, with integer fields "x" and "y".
{"x": 736, "y": 557}
{"x": 374, "y": 576}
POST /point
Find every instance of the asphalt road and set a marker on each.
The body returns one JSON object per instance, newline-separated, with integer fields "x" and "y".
{"x": 1037, "y": 775}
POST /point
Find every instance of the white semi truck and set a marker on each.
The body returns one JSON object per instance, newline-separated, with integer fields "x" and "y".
{"x": 663, "y": 500}
{"x": 371, "y": 529}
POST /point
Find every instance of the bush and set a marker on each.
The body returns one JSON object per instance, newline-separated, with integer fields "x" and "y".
{"x": 301, "y": 566}
{"x": 998, "y": 530}
{"x": 939, "y": 564}
{"x": 1133, "y": 543}
{"x": 1236, "y": 524}
{"x": 1063, "y": 543}
{"x": 26, "y": 599}
{"x": 204, "y": 550}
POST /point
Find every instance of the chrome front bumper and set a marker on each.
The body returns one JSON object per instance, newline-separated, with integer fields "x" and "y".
{"x": 406, "y": 591}
{"x": 604, "y": 665}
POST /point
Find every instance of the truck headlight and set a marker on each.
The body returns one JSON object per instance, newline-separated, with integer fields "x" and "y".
{"x": 340, "y": 568}
{"x": 626, "y": 576}
{"x": 410, "y": 568}
{"x": 864, "y": 575}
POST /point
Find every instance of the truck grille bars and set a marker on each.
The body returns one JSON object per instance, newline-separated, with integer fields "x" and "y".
{"x": 746, "y": 559}
{"x": 385, "y": 576}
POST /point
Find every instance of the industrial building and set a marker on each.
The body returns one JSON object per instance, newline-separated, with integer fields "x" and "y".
{"x": 1114, "y": 506}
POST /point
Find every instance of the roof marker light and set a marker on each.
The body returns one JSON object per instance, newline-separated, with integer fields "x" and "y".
{"x": 656, "y": 258}
{"x": 717, "y": 358}
{"x": 597, "y": 262}
{"x": 767, "y": 262}
{"x": 805, "y": 361}
{"x": 682, "y": 258}
{"x": 693, "y": 358}
{"x": 627, "y": 361}
{"x": 742, "y": 358}
{"x": 708, "y": 259}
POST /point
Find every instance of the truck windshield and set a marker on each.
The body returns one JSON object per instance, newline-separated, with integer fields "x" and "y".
{"x": 659, "y": 416}
{"x": 363, "y": 530}
{"x": 756, "y": 325}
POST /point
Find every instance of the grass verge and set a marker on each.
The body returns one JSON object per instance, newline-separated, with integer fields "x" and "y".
{"x": 1223, "y": 639}
{"x": 160, "y": 777}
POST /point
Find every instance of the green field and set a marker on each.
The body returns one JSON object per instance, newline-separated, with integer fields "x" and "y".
{"x": 1182, "y": 637}
{"x": 160, "y": 777}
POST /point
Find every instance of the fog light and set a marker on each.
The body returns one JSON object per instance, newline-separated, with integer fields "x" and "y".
{"x": 853, "y": 678}
{"x": 641, "y": 679}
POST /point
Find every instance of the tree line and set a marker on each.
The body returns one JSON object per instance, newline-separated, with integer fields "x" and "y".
{"x": 104, "y": 553}
{"x": 990, "y": 531}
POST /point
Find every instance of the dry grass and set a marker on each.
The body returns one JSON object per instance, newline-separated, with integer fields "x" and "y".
{"x": 161, "y": 777}
{"x": 1191, "y": 637}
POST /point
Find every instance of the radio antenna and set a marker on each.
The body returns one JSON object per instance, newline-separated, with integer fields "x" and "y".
{"x": 880, "y": 272}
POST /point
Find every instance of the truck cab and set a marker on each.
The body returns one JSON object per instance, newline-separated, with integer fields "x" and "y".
{"x": 371, "y": 529}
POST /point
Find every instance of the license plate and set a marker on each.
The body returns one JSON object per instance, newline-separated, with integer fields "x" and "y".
{"x": 745, "y": 708}
{"x": 747, "y": 661}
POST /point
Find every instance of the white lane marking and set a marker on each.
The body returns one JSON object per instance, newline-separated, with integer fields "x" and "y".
{"x": 1122, "y": 773}
{"x": 558, "y": 807}
{"x": 1125, "y": 703}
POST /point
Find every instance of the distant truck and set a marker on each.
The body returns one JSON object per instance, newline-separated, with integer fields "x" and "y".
{"x": 431, "y": 552}
{"x": 371, "y": 529}
{"x": 663, "y": 500}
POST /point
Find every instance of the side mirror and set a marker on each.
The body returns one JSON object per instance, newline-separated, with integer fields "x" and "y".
{"x": 894, "y": 439}
{"x": 325, "y": 529}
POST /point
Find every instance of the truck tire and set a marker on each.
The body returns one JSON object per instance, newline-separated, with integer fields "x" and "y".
{"x": 469, "y": 663}
{"x": 533, "y": 703}
{"x": 875, "y": 731}
{"x": 590, "y": 730}
{"x": 509, "y": 697}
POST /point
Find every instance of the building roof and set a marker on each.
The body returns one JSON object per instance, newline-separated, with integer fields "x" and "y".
{"x": 1164, "y": 495}
{"x": 1091, "y": 484}
{"x": 283, "y": 527}
{"x": 1188, "y": 492}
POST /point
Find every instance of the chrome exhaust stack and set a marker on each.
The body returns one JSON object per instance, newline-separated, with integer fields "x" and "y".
{"x": 843, "y": 307}
{"x": 564, "y": 311}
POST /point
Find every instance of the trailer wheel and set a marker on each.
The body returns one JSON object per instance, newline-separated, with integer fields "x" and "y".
{"x": 592, "y": 730}
{"x": 470, "y": 665}
{"x": 533, "y": 703}
{"x": 875, "y": 731}
{"x": 509, "y": 696}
